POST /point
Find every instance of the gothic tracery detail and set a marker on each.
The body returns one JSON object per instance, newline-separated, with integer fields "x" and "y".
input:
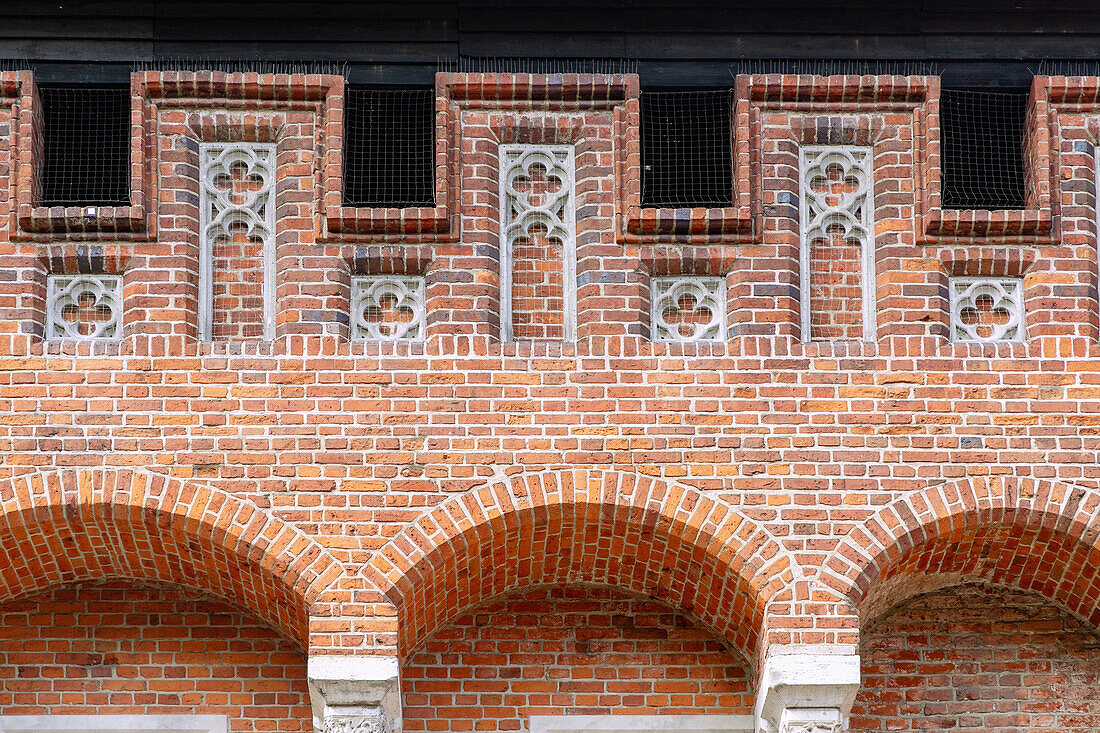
{"x": 84, "y": 307}
{"x": 538, "y": 294}
{"x": 837, "y": 262}
{"x": 688, "y": 308}
{"x": 388, "y": 308}
{"x": 237, "y": 210}
{"x": 986, "y": 309}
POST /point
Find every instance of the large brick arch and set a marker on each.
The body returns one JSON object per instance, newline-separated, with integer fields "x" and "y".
{"x": 666, "y": 541}
{"x": 1031, "y": 534}
{"x": 68, "y": 525}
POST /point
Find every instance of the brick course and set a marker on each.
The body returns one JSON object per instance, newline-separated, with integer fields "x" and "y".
{"x": 359, "y": 497}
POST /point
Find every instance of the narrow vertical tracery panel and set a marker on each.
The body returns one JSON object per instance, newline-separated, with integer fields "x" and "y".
{"x": 237, "y": 265}
{"x": 538, "y": 249}
{"x": 837, "y": 257}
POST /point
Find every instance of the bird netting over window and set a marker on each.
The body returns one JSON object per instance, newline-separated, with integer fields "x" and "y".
{"x": 982, "y": 149}
{"x": 389, "y": 147}
{"x": 86, "y": 146}
{"x": 686, "y": 148}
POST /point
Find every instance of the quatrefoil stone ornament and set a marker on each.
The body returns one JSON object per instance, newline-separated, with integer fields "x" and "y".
{"x": 83, "y": 307}
{"x": 388, "y": 308}
{"x": 688, "y": 308}
{"x": 987, "y": 309}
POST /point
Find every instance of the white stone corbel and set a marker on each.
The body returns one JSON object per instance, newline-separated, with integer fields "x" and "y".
{"x": 807, "y": 689}
{"x": 355, "y": 694}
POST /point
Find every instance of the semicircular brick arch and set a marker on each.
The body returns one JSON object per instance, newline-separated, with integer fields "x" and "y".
{"x": 669, "y": 542}
{"x": 64, "y": 526}
{"x": 1031, "y": 534}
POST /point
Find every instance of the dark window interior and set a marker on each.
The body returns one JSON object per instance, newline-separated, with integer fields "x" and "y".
{"x": 86, "y": 135}
{"x": 983, "y": 149}
{"x": 389, "y": 147}
{"x": 686, "y": 158}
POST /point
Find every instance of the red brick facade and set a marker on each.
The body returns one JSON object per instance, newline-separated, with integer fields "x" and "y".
{"x": 569, "y": 650}
{"x": 360, "y": 498}
{"x": 979, "y": 658}
{"x": 124, "y": 649}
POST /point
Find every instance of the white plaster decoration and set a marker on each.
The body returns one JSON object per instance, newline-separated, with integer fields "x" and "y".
{"x": 354, "y": 694}
{"x": 114, "y": 723}
{"x": 987, "y": 309}
{"x": 387, "y": 308}
{"x": 640, "y": 723}
{"x": 549, "y": 210}
{"x": 807, "y": 688}
{"x": 836, "y": 194}
{"x": 236, "y": 196}
{"x": 688, "y": 308}
{"x": 83, "y": 307}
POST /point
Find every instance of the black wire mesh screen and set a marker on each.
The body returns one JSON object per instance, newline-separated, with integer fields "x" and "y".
{"x": 686, "y": 149}
{"x": 536, "y": 65}
{"x": 831, "y": 67}
{"x": 86, "y": 146}
{"x": 241, "y": 65}
{"x": 389, "y": 147}
{"x": 983, "y": 149}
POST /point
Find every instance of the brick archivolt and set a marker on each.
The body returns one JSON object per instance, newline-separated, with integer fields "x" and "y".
{"x": 663, "y": 540}
{"x": 1031, "y": 534}
{"x": 69, "y": 525}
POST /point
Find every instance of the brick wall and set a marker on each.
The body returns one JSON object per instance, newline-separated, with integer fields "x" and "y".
{"x": 100, "y": 648}
{"x": 979, "y": 658}
{"x": 568, "y": 650}
{"x": 359, "y": 497}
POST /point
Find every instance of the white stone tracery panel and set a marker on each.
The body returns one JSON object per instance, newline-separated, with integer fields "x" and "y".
{"x": 986, "y": 309}
{"x": 836, "y": 194}
{"x": 387, "y": 308}
{"x": 688, "y": 308}
{"x": 236, "y": 198}
{"x": 537, "y": 199}
{"x": 83, "y": 307}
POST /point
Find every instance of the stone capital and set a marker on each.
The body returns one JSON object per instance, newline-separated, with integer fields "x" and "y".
{"x": 355, "y": 694}
{"x": 807, "y": 689}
